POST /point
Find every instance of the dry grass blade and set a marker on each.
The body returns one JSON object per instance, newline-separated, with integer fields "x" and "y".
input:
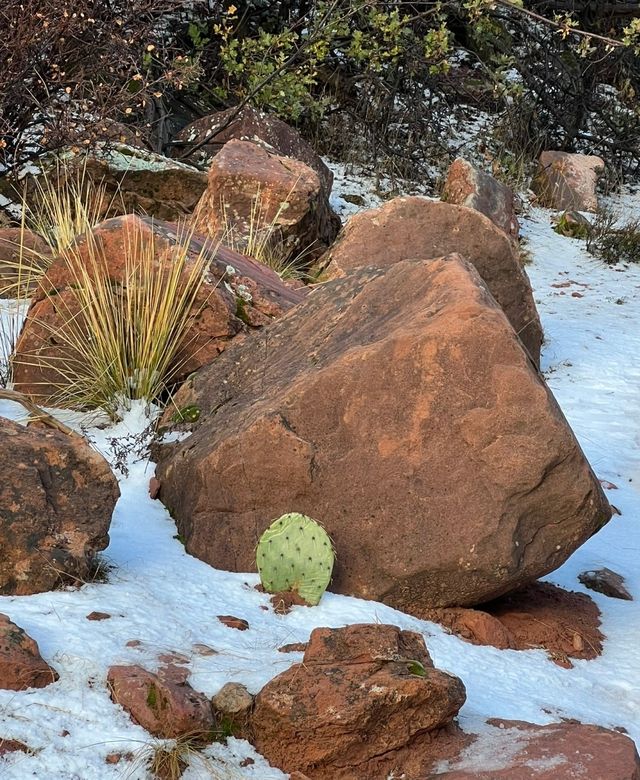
{"x": 35, "y": 412}
{"x": 262, "y": 239}
{"x": 121, "y": 335}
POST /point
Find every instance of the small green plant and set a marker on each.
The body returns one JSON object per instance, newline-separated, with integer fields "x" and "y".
{"x": 295, "y": 554}
{"x": 613, "y": 240}
{"x": 187, "y": 414}
{"x": 573, "y": 225}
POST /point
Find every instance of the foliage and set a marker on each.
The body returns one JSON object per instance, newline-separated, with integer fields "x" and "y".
{"x": 295, "y": 554}
{"x": 613, "y": 240}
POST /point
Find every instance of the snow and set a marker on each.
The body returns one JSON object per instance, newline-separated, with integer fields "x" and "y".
{"x": 169, "y": 601}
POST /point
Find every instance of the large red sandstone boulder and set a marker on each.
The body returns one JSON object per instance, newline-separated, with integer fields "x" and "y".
{"x": 57, "y": 496}
{"x": 393, "y": 406}
{"x": 567, "y": 181}
{"x": 20, "y": 250}
{"x": 415, "y": 227}
{"x": 471, "y": 187}
{"x": 355, "y": 705}
{"x": 21, "y": 665}
{"x": 166, "y": 706}
{"x": 254, "y": 190}
{"x": 201, "y": 140}
{"x": 238, "y": 294}
{"x": 513, "y": 750}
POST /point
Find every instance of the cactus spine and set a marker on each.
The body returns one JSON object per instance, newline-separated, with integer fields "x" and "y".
{"x": 295, "y": 553}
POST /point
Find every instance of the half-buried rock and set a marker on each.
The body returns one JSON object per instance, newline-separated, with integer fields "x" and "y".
{"x": 56, "y": 500}
{"x": 398, "y": 407}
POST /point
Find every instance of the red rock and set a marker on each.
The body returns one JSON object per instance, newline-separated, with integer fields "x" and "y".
{"x": 408, "y": 385}
{"x": 154, "y": 488}
{"x": 415, "y": 227}
{"x": 607, "y": 582}
{"x": 333, "y": 717}
{"x": 56, "y": 500}
{"x": 98, "y": 616}
{"x": 567, "y": 181}
{"x": 164, "y": 707}
{"x": 12, "y": 746}
{"x": 293, "y": 647}
{"x": 564, "y": 623}
{"x": 205, "y": 650}
{"x": 234, "y": 622}
{"x": 471, "y": 187}
{"x": 473, "y": 625}
{"x": 243, "y": 172}
{"x": 20, "y": 250}
{"x": 248, "y": 124}
{"x": 37, "y": 363}
{"x": 21, "y": 665}
{"x": 512, "y": 750}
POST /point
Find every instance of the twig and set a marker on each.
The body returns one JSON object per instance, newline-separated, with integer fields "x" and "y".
{"x": 36, "y": 412}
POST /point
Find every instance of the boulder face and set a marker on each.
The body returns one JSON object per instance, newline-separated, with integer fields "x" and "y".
{"x": 252, "y": 190}
{"x": 567, "y": 181}
{"x": 21, "y": 665}
{"x": 415, "y": 227}
{"x": 468, "y": 186}
{"x": 56, "y": 501}
{"x": 397, "y": 407}
{"x": 201, "y": 140}
{"x": 238, "y": 294}
{"x": 514, "y": 750}
{"x": 348, "y": 712}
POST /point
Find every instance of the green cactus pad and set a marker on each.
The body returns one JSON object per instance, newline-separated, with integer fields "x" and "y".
{"x": 295, "y": 553}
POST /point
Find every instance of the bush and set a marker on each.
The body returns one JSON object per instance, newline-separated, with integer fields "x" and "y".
{"x": 613, "y": 240}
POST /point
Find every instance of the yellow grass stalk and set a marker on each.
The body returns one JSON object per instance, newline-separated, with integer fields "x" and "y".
{"x": 122, "y": 340}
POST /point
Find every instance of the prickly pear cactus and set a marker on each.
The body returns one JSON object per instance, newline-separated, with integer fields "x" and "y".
{"x": 295, "y": 553}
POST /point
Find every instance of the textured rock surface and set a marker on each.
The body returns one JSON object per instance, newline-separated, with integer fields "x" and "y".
{"x": 21, "y": 665}
{"x": 252, "y": 125}
{"x": 567, "y": 181}
{"x": 512, "y": 750}
{"x": 353, "y": 707}
{"x": 414, "y": 227}
{"x": 246, "y": 179}
{"x": 250, "y": 296}
{"x": 56, "y": 499}
{"x": 165, "y": 706}
{"x": 395, "y": 398}
{"x": 468, "y": 186}
{"x": 606, "y": 582}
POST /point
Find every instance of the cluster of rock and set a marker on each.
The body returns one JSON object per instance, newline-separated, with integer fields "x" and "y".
{"x": 399, "y": 402}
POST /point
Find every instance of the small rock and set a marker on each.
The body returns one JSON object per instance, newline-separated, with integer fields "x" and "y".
{"x": 166, "y": 708}
{"x": 283, "y": 601}
{"x": 21, "y": 665}
{"x": 154, "y": 487}
{"x": 12, "y": 746}
{"x": 234, "y": 622}
{"x": 293, "y": 647}
{"x": 232, "y": 707}
{"x": 98, "y": 616}
{"x": 606, "y": 582}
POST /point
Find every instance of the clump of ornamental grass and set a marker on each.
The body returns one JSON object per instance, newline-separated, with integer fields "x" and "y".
{"x": 65, "y": 202}
{"x": 262, "y": 239}
{"x": 120, "y": 338}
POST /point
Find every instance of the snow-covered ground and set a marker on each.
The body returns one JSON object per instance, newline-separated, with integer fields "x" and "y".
{"x": 169, "y": 601}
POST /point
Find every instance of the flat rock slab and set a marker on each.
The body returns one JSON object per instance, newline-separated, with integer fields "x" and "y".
{"x": 513, "y": 750}
{"x": 393, "y": 405}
